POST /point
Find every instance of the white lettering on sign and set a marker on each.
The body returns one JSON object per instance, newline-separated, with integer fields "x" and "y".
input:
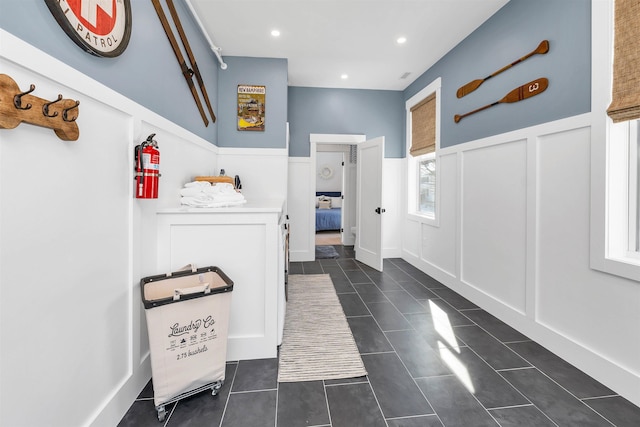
{"x": 534, "y": 87}
{"x": 89, "y": 10}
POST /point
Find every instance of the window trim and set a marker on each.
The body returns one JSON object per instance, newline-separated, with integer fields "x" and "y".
{"x": 411, "y": 162}
{"x": 609, "y": 181}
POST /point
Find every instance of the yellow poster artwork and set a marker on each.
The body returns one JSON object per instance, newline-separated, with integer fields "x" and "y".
{"x": 251, "y": 107}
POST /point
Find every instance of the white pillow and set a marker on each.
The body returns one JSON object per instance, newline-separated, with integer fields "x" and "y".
{"x": 325, "y": 204}
{"x": 336, "y": 202}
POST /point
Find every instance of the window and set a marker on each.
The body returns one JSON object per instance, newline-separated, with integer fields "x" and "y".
{"x": 624, "y": 184}
{"x": 615, "y": 130}
{"x": 427, "y": 184}
{"x": 423, "y": 141}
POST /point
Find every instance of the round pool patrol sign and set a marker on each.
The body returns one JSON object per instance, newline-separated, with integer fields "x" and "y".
{"x": 100, "y": 27}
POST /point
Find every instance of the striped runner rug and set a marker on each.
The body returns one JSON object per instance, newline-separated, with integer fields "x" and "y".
{"x": 317, "y": 343}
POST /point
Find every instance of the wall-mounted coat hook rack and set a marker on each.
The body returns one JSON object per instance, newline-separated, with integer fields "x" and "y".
{"x": 17, "y": 106}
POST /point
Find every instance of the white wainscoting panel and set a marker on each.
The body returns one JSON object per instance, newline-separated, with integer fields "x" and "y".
{"x": 392, "y": 203}
{"x": 74, "y": 244}
{"x": 262, "y": 171}
{"x": 439, "y": 242}
{"x": 566, "y": 284}
{"x": 523, "y": 251}
{"x": 494, "y": 213}
{"x": 301, "y": 216}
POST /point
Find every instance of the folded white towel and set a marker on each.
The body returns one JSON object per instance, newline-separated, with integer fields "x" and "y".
{"x": 203, "y": 194}
{"x": 192, "y": 191}
{"x": 208, "y": 203}
{"x": 199, "y": 184}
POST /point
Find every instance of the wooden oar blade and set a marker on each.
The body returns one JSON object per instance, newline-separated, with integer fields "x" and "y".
{"x": 528, "y": 90}
{"x": 469, "y": 87}
{"x": 543, "y": 47}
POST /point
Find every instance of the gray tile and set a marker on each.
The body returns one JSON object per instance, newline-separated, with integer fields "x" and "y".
{"x": 357, "y": 276}
{"x": 563, "y": 408}
{"x": 370, "y": 292}
{"x": 417, "y": 290}
{"x": 439, "y": 308}
{"x": 453, "y": 403}
{"x": 255, "y": 409}
{"x": 142, "y": 413}
{"x": 565, "y": 374}
{"x": 312, "y": 267}
{"x": 354, "y": 380}
{"x": 348, "y": 264}
{"x": 397, "y": 274}
{"x": 302, "y": 404}
{"x": 616, "y": 409}
{"x": 420, "y": 359}
{"x": 484, "y": 382}
{"x": 341, "y": 284}
{"x": 424, "y": 421}
{"x": 352, "y": 305}
{"x": 384, "y": 282}
{"x": 368, "y": 336}
{"x": 334, "y": 270}
{"x": 435, "y": 330}
{"x": 258, "y": 374}
{"x": 353, "y": 405}
{"x": 203, "y": 408}
{"x": 522, "y": 416}
{"x": 405, "y": 302}
{"x": 492, "y": 351}
{"x": 295, "y": 268}
{"x": 454, "y": 298}
{"x": 396, "y": 392}
{"x": 387, "y": 316}
{"x": 495, "y": 326}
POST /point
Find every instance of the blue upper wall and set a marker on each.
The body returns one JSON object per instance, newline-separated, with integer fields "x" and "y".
{"x": 268, "y": 72}
{"x": 512, "y": 32}
{"x": 147, "y": 72}
{"x": 345, "y": 111}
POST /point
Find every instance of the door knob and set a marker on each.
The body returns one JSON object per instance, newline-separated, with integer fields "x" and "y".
{"x": 379, "y": 210}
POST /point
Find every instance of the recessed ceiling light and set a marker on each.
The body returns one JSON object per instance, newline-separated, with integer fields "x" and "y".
{"x": 275, "y": 33}
{"x": 344, "y": 76}
{"x": 401, "y": 40}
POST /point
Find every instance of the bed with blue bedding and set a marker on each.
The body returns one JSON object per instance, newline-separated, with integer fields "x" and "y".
{"x": 329, "y": 219}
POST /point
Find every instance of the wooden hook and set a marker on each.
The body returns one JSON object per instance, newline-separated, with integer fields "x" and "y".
{"x": 45, "y": 107}
{"x": 44, "y": 113}
{"x": 65, "y": 117}
{"x": 17, "y": 100}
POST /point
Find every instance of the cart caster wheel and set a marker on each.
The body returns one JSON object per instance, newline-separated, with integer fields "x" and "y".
{"x": 216, "y": 389}
{"x": 162, "y": 414}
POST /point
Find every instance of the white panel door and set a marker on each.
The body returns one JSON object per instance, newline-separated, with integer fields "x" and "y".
{"x": 369, "y": 205}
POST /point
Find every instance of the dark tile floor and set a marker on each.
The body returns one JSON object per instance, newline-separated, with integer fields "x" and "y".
{"x": 433, "y": 359}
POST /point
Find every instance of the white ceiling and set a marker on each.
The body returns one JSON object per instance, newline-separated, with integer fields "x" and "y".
{"x": 323, "y": 39}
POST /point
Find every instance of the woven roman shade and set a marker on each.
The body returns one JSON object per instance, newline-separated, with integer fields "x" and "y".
{"x": 423, "y": 126}
{"x": 625, "y": 103}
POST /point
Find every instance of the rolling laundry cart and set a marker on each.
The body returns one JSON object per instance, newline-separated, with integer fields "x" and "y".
{"x": 188, "y": 321}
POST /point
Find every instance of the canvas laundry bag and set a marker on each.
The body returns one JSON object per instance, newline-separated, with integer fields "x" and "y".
{"x": 187, "y": 316}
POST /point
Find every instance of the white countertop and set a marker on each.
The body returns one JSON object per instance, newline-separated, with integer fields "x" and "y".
{"x": 251, "y": 206}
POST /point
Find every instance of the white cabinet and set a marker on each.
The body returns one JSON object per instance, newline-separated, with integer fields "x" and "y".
{"x": 244, "y": 243}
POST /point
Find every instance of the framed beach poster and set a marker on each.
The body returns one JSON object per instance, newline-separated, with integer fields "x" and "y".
{"x": 251, "y": 107}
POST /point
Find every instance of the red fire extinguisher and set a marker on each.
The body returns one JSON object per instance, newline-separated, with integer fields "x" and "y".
{"x": 147, "y": 158}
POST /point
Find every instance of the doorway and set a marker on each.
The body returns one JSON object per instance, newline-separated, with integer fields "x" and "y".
{"x": 338, "y": 145}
